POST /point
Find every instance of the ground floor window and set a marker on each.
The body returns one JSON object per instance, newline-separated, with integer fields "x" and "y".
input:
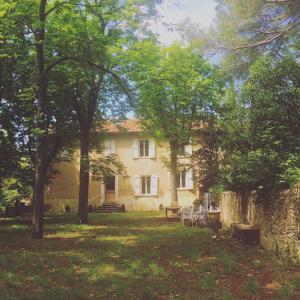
{"x": 146, "y": 185}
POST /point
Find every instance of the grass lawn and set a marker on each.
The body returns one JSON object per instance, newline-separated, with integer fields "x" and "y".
{"x": 135, "y": 255}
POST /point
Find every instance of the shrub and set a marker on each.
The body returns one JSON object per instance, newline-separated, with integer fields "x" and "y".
{"x": 123, "y": 208}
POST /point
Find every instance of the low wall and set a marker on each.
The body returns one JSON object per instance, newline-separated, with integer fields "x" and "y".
{"x": 279, "y": 221}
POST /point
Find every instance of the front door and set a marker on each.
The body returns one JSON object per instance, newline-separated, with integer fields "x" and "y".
{"x": 110, "y": 189}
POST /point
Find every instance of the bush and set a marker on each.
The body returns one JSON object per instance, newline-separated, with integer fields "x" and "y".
{"x": 12, "y": 191}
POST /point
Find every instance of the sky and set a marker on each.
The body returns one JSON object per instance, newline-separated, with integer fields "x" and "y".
{"x": 201, "y": 12}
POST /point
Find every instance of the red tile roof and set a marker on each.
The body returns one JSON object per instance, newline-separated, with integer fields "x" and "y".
{"x": 130, "y": 125}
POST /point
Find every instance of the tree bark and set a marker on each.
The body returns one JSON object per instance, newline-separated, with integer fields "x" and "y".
{"x": 84, "y": 178}
{"x": 38, "y": 199}
{"x": 173, "y": 173}
{"x": 85, "y": 119}
{"x": 40, "y": 163}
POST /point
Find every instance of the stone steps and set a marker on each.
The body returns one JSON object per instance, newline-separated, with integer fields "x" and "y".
{"x": 109, "y": 207}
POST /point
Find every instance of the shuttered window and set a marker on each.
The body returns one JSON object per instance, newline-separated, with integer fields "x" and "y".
{"x": 143, "y": 148}
{"x": 145, "y": 185}
{"x": 181, "y": 179}
{"x": 109, "y": 147}
{"x": 185, "y": 179}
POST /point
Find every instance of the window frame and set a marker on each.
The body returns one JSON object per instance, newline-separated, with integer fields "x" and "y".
{"x": 181, "y": 175}
{"x": 145, "y": 185}
{"x": 145, "y": 150}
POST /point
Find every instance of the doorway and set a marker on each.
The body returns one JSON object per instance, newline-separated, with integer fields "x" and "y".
{"x": 110, "y": 189}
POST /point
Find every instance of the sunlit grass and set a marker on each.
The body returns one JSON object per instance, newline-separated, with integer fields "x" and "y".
{"x": 136, "y": 255}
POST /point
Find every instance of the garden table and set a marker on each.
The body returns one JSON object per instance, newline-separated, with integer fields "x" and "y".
{"x": 174, "y": 211}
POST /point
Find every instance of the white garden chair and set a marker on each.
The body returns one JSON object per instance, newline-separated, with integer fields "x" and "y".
{"x": 187, "y": 214}
{"x": 200, "y": 216}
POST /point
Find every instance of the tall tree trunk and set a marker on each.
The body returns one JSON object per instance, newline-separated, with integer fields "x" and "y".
{"x": 84, "y": 178}
{"x": 173, "y": 173}
{"x": 38, "y": 199}
{"x": 85, "y": 118}
{"x": 40, "y": 167}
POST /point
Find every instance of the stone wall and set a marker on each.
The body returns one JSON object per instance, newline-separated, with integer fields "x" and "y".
{"x": 279, "y": 220}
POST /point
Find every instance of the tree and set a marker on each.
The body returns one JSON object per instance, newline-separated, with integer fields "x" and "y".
{"x": 102, "y": 32}
{"x": 265, "y": 155}
{"x": 176, "y": 87}
{"x": 244, "y": 30}
{"x": 95, "y": 32}
{"x": 38, "y": 98}
{"x": 206, "y": 160}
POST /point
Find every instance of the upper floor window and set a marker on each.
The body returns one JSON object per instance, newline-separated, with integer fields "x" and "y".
{"x": 181, "y": 179}
{"x": 109, "y": 147}
{"x": 143, "y": 148}
{"x": 185, "y": 150}
{"x": 184, "y": 179}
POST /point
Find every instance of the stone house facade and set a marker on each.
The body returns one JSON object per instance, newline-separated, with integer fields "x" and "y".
{"x": 146, "y": 184}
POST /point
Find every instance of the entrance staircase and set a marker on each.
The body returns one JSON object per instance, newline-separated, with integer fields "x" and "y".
{"x": 108, "y": 207}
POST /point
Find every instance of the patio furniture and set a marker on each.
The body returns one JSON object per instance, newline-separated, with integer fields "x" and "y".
{"x": 200, "y": 216}
{"x": 186, "y": 214}
{"x": 174, "y": 210}
{"x": 195, "y": 215}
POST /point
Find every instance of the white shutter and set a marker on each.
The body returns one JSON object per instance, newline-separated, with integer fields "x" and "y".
{"x": 189, "y": 179}
{"x": 154, "y": 185}
{"x": 112, "y": 147}
{"x": 151, "y": 148}
{"x": 136, "y": 185}
{"x": 188, "y": 149}
{"x": 135, "y": 148}
{"x": 107, "y": 147}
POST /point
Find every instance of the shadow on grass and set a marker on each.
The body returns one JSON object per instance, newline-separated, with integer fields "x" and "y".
{"x": 121, "y": 256}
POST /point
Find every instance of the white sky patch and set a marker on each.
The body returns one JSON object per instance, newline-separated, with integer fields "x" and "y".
{"x": 201, "y": 12}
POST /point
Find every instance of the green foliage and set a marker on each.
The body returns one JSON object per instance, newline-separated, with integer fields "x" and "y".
{"x": 246, "y": 29}
{"x": 175, "y": 85}
{"x": 261, "y": 139}
{"x": 9, "y": 194}
{"x": 80, "y": 52}
{"x": 206, "y": 160}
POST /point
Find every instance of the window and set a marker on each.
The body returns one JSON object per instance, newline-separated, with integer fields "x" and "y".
{"x": 146, "y": 185}
{"x": 185, "y": 150}
{"x": 109, "y": 147}
{"x": 143, "y": 148}
{"x": 181, "y": 179}
{"x": 181, "y": 150}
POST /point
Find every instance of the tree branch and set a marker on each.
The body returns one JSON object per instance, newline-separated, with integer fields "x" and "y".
{"x": 261, "y": 43}
{"x": 277, "y": 1}
{"x": 55, "y": 7}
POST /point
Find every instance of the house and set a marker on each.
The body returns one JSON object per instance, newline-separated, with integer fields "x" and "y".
{"x": 146, "y": 184}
